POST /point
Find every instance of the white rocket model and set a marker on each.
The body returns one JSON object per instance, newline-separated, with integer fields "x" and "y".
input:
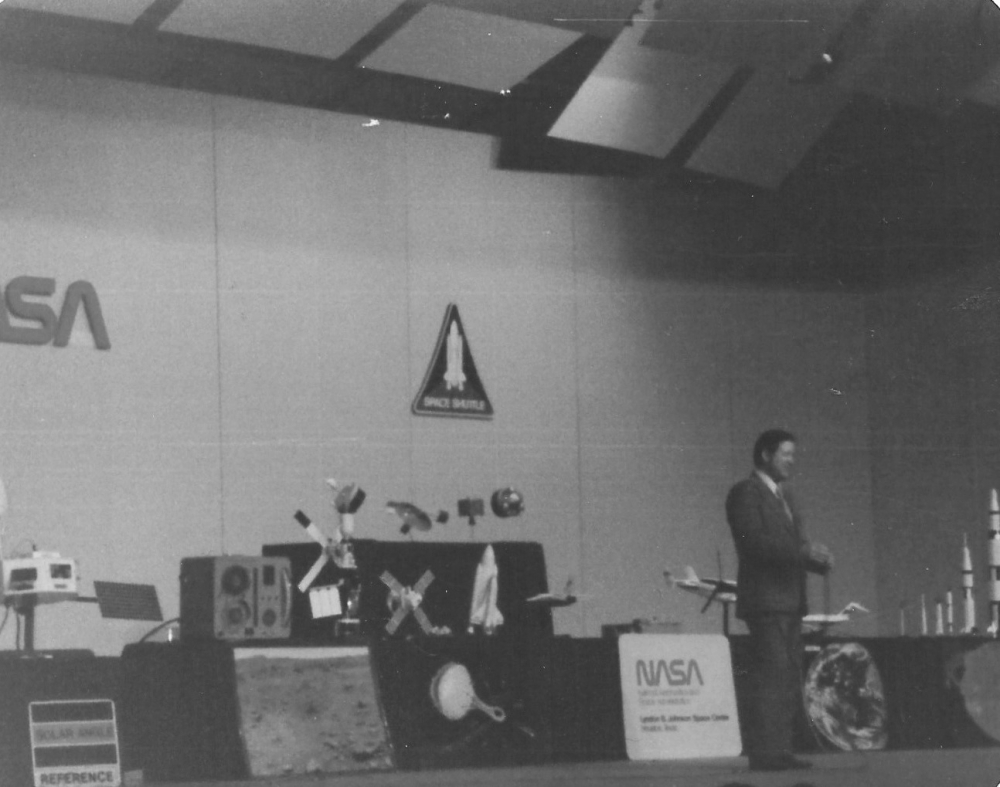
{"x": 454, "y": 377}
{"x": 484, "y": 611}
{"x": 938, "y": 618}
{"x": 994, "y": 555}
{"x": 923, "y": 615}
{"x": 949, "y": 611}
{"x": 968, "y": 599}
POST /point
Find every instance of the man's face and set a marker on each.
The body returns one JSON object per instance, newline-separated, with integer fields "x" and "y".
{"x": 779, "y": 464}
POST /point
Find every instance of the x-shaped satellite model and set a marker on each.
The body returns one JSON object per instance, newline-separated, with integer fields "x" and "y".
{"x": 406, "y": 600}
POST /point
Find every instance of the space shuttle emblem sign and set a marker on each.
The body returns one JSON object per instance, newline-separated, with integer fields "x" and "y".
{"x": 452, "y": 386}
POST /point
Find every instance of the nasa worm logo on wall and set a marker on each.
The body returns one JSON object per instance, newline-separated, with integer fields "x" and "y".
{"x": 24, "y": 298}
{"x": 452, "y": 386}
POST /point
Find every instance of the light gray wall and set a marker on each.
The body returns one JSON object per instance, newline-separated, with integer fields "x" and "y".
{"x": 935, "y": 384}
{"x": 273, "y": 281}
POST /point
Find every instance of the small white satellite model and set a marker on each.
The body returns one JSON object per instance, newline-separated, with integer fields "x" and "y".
{"x": 47, "y": 578}
{"x": 42, "y": 578}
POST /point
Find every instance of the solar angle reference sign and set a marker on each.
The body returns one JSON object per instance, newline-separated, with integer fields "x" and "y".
{"x": 452, "y": 386}
{"x": 74, "y": 742}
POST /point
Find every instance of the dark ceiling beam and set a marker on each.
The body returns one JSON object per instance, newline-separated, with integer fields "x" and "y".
{"x": 714, "y": 110}
{"x": 531, "y": 107}
{"x": 156, "y": 14}
{"x": 107, "y": 49}
{"x": 381, "y": 32}
{"x": 140, "y": 53}
{"x": 385, "y": 96}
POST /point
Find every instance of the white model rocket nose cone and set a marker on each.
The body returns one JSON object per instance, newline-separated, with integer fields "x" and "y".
{"x": 994, "y": 505}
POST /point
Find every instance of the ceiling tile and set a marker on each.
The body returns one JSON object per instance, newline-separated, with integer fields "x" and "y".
{"x": 470, "y": 49}
{"x": 639, "y": 99}
{"x": 922, "y": 52}
{"x": 321, "y": 28}
{"x": 783, "y": 34}
{"x": 122, "y": 11}
{"x": 767, "y": 129}
{"x": 601, "y": 18}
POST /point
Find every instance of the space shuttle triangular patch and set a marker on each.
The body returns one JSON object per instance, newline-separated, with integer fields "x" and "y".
{"x": 452, "y": 386}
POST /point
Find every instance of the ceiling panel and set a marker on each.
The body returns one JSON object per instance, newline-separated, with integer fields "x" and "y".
{"x": 122, "y": 11}
{"x": 639, "y": 99}
{"x": 601, "y": 18}
{"x": 321, "y": 28}
{"x": 470, "y": 49}
{"x": 767, "y": 129}
{"x": 777, "y": 34}
{"x": 922, "y": 52}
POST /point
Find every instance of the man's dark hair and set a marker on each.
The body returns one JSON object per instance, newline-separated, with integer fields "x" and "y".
{"x": 768, "y": 443}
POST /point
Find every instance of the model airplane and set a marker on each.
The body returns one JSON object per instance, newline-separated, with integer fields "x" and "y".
{"x": 724, "y": 592}
{"x": 564, "y": 599}
{"x": 710, "y": 588}
{"x": 821, "y": 622}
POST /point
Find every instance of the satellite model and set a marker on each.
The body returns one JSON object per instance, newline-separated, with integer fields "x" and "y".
{"x": 48, "y": 578}
{"x": 326, "y": 601}
{"x": 41, "y": 578}
{"x": 412, "y": 517}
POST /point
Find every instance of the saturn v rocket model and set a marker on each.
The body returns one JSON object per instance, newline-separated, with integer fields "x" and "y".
{"x": 968, "y": 598}
{"x": 994, "y": 565}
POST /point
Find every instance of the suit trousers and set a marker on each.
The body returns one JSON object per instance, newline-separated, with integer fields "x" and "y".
{"x": 774, "y": 683}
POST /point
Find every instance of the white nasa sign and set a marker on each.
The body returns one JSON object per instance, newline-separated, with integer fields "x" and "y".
{"x": 678, "y": 696}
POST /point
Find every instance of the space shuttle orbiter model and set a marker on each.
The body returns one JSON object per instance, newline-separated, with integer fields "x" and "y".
{"x": 454, "y": 376}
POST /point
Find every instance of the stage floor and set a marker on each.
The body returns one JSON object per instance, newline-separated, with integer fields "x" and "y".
{"x": 946, "y": 768}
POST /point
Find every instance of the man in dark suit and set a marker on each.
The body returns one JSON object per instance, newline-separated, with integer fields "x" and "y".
{"x": 774, "y": 557}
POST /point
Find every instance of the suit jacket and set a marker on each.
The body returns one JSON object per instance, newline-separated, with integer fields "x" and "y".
{"x": 773, "y": 553}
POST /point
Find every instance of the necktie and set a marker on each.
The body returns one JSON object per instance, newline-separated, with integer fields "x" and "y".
{"x": 784, "y": 502}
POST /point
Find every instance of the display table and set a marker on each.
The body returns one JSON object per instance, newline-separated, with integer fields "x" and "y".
{"x": 926, "y": 699}
{"x": 561, "y": 699}
{"x": 178, "y": 709}
{"x": 448, "y": 596}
